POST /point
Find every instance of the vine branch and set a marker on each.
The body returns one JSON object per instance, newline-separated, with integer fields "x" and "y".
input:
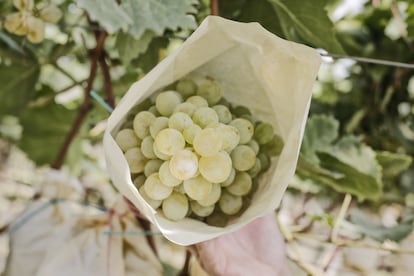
{"x": 214, "y": 7}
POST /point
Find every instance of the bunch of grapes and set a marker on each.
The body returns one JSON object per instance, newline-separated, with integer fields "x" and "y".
{"x": 192, "y": 154}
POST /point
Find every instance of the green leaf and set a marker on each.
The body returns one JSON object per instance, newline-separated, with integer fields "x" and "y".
{"x": 130, "y": 47}
{"x": 159, "y": 15}
{"x": 320, "y": 132}
{"x": 107, "y": 13}
{"x": 151, "y": 57}
{"x": 379, "y": 232}
{"x": 44, "y": 130}
{"x": 309, "y": 21}
{"x": 393, "y": 164}
{"x": 19, "y": 72}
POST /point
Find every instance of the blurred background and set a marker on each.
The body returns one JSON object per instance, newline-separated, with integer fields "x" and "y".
{"x": 349, "y": 209}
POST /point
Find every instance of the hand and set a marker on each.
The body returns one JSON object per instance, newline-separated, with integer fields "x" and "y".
{"x": 256, "y": 249}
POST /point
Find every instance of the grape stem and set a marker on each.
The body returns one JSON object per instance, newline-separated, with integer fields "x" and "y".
{"x": 86, "y": 104}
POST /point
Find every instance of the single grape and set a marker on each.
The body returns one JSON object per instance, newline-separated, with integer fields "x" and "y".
{"x": 187, "y": 108}
{"x": 179, "y": 121}
{"x": 175, "y": 207}
{"x": 152, "y": 166}
{"x": 257, "y": 168}
{"x": 147, "y": 148}
{"x": 197, "y": 101}
{"x": 207, "y": 142}
{"x": 254, "y": 145}
{"x": 139, "y": 180}
{"x": 217, "y": 219}
{"x": 230, "y": 204}
{"x": 264, "y": 161}
{"x": 167, "y": 101}
{"x": 127, "y": 139}
{"x": 240, "y": 110}
{"x": 210, "y": 90}
{"x": 274, "y": 147}
{"x": 135, "y": 159}
{"x": 186, "y": 88}
{"x": 157, "y": 125}
{"x": 243, "y": 158}
{"x": 169, "y": 141}
{"x": 229, "y": 179}
{"x": 205, "y": 116}
{"x": 155, "y": 189}
{"x": 184, "y": 164}
{"x": 152, "y": 202}
{"x": 197, "y": 188}
{"x": 166, "y": 177}
{"x": 215, "y": 168}
{"x": 241, "y": 185}
{"x": 223, "y": 113}
{"x": 201, "y": 211}
{"x": 190, "y": 132}
{"x": 230, "y": 136}
{"x": 263, "y": 133}
{"x": 212, "y": 197}
{"x": 179, "y": 189}
{"x": 153, "y": 109}
{"x": 142, "y": 122}
{"x": 245, "y": 128}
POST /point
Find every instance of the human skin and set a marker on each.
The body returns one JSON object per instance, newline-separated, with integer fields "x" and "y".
{"x": 256, "y": 249}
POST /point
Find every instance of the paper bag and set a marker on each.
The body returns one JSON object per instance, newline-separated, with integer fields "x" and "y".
{"x": 271, "y": 76}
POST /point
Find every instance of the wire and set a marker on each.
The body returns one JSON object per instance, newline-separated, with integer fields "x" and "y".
{"x": 370, "y": 60}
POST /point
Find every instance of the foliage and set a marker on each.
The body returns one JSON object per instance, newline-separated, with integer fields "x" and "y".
{"x": 360, "y": 134}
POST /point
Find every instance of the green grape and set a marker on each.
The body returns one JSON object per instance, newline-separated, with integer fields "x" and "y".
{"x": 167, "y": 101}
{"x": 139, "y": 180}
{"x": 264, "y": 161}
{"x": 245, "y": 128}
{"x": 175, "y": 207}
{"x": 186, "y": 88}
{"x": 217, "y": 219}
{"x": 190, "y": 132}
{"x": 179, "y": 189}
{"x": 136, "y": 160}
{"x": 169, "y": 141}
{"x": 243, "y": 158}
{"x": 257, "y": 168}
{"x": 205, "y": 116}
{"x": 210, "y": 90}
{"x": 147, "y": 147}
{"x": 127, "y": 139}
{"x": 153, "y": 110}
{"x": 241, "y": 185}
{"x": 197, "y": 101}
{"x": 142, "y": 122}
{"x": 179, "y": 121}
{"x": 215, "y": 168}
{"x": 223, "y": 113}
{"x": 197, "y": 188}
{"x": 166, "y": 177}
{"x": 201, "y": 211}
{"x": 184, "y": 164}
{"x": 254, "y": 145}
{"x": 229, "y": 179}
{"x": 274, "y": 147}
{"x": 155, "y": 189}
{"x": 152, "y": 202}
{"x": 230, "y": 204}
{"x": 207, "y": 142}
{"x": 152, "y": 166}
{"x": 248, "y": 118}
{"x": 230, "y": 136}
{"x": 212, "y": 197}
{"x": 157, "y": 125}
{"x": 263, "y": 133}
{"x": 187, "y": 108}
{"x": 159, "y": 154}
{"x": 240, "y": 110}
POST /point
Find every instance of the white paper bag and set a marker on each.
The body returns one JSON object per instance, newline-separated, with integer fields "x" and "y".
{"x": 271, "y": 76}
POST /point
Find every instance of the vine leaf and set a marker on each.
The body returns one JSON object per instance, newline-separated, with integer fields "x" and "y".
{"x": 159, "y": 15}
{"x": 393, "y": 164}
{"x": 107, "y": 13}
{"x": 19, "y": 73}
{"x": 44, "y": 130}
{"x": 130, "y": 47}
{"x": 309, "y": 21}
